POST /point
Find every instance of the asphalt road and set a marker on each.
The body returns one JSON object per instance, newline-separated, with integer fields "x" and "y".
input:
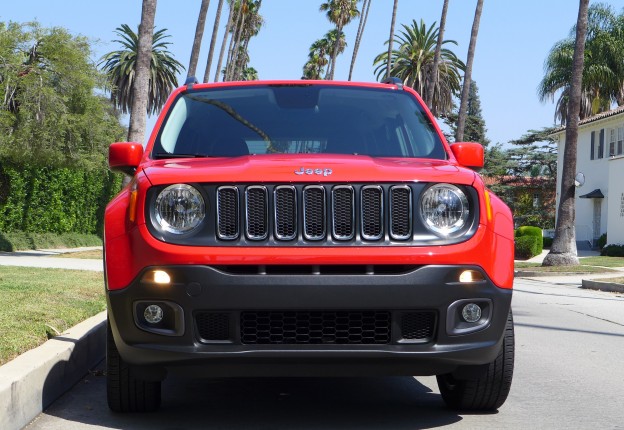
{"x": 569, "y": 375}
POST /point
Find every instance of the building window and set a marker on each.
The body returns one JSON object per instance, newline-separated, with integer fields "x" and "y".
{"x": 612, "y": 136}
{"x": 536, "y": 200}
{"x": 592, "y": 154}
{"x": 601, "y": 143}
{"x": 620, "y": 140}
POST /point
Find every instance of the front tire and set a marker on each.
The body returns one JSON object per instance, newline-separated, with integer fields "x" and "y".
{"x": 487, "y": 391}
{"x": 125, "y": 392}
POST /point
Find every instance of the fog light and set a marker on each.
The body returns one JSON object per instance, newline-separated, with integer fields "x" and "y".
{"x": 471, "y": 313}
{"x": 161, "y": 277}
{"x": 153, "y": 314}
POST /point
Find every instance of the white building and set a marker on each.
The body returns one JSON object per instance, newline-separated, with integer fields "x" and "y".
{"x": 600, "y": 157}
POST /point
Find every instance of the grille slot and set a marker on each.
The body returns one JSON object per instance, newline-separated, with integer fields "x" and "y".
{"x": 227, "y": 213}
{"x": 418, "y": 326}
{"x": 285, "y": 212}
{"x": 314, "y": 212}
{"x": 316, "y": 327}
{"x": 213, "y": 326}
{"x": 372, "y": 212}
{"x": 257, "y": 227}
{"x": 343, "y": 212}
{"x": 400, "y": 212}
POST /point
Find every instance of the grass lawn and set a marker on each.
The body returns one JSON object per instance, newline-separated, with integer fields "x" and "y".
{"x": 95, "y": 254}
{"x": 588, "y": 265}
{"x": 619, "y": 280}
{"x": 602, "y": 261}
{"x": 32, "y": 299}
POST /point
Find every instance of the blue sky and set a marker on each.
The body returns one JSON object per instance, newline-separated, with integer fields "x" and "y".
{"x": 514, "y": 39}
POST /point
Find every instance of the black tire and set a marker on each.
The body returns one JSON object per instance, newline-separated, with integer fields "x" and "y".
{"x": 489, "y": 390}
{"x": 125, "y": 393}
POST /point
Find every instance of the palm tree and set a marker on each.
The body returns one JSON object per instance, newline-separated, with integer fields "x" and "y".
{"x": 336, "y": 43}
{"x": 563, "y": 249}
{"x": 317, "y": 59}
{"x": 339, "y": 13}
{"x": 120, "y": 67}
{"x": 250, "y": 27}
{"x": 391, "y": 39}
{"x": 412, "y": 60}
{"x": 199, "y": 33}
{"x": 228, "y": 27}
{"x": 603, "y": 72}
{"x": 436, "y": 57}
{"x": 213, "y": 41}
{"x": 360, "y": 32}
{"x": 463, "y": 106}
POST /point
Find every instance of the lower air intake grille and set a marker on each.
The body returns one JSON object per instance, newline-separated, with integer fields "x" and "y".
{"x": 316, "y": 327}
{"x": 213, "y": 326}
{"x": 418, "y": 326}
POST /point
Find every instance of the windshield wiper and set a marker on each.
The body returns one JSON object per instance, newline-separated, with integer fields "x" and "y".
{"x": 163, "y": 155}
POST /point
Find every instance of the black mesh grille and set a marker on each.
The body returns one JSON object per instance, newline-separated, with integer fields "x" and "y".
{"x": 372, "y": 206}
{"x": 314, "y": 212}
{"x": 227, "y": 213}
{"x": 418, "y": 325}
{"x": 400, "y": 212}
{"x": 213, "y": 325}
{"x": 342, "y": 206}
{"x": 285, "y": 212}
{"x": 316, "y": 327}
{"x": 257, "y": 222}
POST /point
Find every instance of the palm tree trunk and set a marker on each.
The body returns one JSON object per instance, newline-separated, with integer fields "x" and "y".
{"x": 235, "y": 53}
{"x": 463, "y": 107}
{"x": 433, "y": 82}
{"x": 235, "y": 30}
{"x": 391, "y": 39}
{"x": 563, "y": 250}
{"x": 228, "y": 26}
{"x": 335, "y": 52}
{"x": 213, "y": 41}
{"x": 358, "y": 37}
{"x": 199, "y": 33}
{"x": 140, "y": 88}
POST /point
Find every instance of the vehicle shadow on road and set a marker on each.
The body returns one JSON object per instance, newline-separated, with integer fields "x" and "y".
{"x": 269, "y": 403}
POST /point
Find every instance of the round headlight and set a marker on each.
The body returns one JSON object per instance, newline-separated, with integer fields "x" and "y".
{"x": 179, "y": 208}
{"x": 444, "y": 209}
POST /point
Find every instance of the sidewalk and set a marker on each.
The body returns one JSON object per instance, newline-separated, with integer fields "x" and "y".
{"x": 32, "y": 381}
{"x": 45, "y": 259}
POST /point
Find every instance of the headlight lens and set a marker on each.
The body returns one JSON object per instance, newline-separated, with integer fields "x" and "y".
{"x": 444, "y": 209}
{"x": 179, "y": 208}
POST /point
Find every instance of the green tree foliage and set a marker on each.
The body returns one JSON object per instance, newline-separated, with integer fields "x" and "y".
{"x": 50, "y": 114}
{"x": 119, "y": 67}
{"x": 412, "y": 61}
{"x": 340, "y": 13}
{"x": 603, "y": 71}
{"x": 320, "y": 55}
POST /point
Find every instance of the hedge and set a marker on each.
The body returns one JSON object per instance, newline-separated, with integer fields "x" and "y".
{"x": 19, "y": 240}
{"x": 530, "y": 231}
{"x": 54, "y": 200}
{"x": 527, "y": 247}
{"x": 613, "y": 251}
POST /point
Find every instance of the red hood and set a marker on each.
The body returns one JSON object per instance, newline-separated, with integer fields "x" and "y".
{"x": 309, "y": 168}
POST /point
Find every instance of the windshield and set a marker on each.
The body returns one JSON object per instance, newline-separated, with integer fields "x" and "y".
{"x": 296, "y": 120}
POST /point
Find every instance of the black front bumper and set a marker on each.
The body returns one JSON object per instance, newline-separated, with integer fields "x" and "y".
{"x": 301, "y": 303}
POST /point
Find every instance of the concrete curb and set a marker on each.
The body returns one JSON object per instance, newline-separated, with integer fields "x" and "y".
{"x": 602, "y": 286}
{"x": 32, "y": 381}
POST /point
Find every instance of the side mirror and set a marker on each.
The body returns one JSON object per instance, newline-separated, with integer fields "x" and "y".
{"x": 125, "y": 157}
{"x": 469, "y": 154}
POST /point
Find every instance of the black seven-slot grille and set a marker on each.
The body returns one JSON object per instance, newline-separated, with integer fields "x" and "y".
{"x": 314, "y": 213}
{"x": 365, "y": 327}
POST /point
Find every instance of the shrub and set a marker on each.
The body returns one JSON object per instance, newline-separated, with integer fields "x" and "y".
{"x": 547, "y": 242}
{"x": 20, "y": 241}
{"x": 527, "y": 230}
{"x": 613, "y": 251}
{"x": 527, "y": 247}
{"x": 602, "y": 241}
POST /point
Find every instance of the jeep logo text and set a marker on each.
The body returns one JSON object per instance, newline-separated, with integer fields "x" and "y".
{"x": 324, "y": 172}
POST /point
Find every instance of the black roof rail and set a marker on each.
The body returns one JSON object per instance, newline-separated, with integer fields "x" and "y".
{"x": 190, "y": 81}
{"x": 394, "y": 81}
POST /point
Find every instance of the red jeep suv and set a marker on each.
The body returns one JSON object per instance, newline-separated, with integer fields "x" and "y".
{"x": 288, "y": 228}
